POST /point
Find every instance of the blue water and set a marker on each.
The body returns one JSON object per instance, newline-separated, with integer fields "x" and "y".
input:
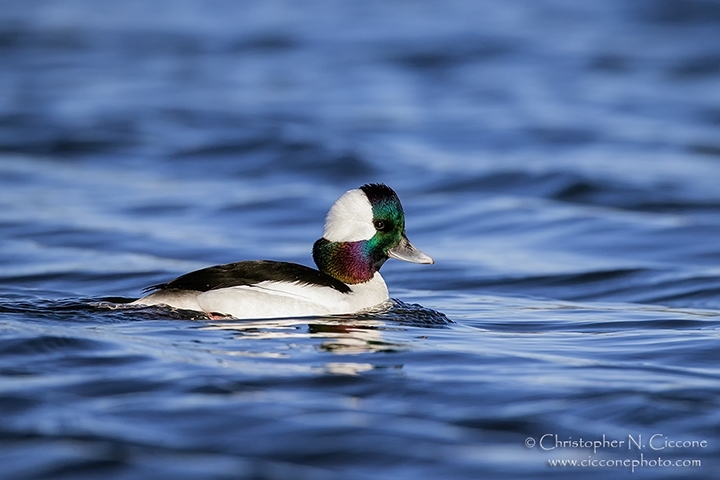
{"x": 560, "y": 160}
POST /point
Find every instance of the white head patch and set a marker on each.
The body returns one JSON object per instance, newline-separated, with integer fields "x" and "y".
{"x": 350, "y": 219}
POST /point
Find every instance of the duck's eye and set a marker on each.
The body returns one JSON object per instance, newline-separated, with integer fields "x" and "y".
{"x": 381, "y": 225}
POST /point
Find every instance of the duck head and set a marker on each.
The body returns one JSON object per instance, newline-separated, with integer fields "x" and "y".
{"x": 364, "y": 228}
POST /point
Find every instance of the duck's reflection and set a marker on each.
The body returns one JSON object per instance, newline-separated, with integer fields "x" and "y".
{"x": 338, "y": 336}
{"x": 280, "y": 344}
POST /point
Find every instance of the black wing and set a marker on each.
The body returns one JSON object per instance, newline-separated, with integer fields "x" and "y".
{"x": 250, "y": 273}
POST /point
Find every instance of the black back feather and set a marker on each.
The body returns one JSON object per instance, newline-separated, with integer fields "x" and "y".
{"x": 250, "y": 273}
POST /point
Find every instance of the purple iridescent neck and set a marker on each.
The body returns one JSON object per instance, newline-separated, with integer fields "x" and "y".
{"x": 349, "y": 262}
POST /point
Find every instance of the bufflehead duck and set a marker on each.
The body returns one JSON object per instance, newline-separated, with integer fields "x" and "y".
{"x": 364, "y": 228}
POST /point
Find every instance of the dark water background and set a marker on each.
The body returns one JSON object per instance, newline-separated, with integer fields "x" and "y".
{"x": 560, "y": 160}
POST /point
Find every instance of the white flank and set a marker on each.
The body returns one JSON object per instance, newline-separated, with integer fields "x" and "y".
{"x": 275, "y": 299}
{"x": 350, "y": 219}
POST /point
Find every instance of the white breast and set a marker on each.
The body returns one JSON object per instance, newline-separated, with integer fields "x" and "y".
{"x": 275, "y": 299}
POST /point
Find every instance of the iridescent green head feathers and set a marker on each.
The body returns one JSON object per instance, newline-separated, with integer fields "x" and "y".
{"x": 363, "y": 229}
